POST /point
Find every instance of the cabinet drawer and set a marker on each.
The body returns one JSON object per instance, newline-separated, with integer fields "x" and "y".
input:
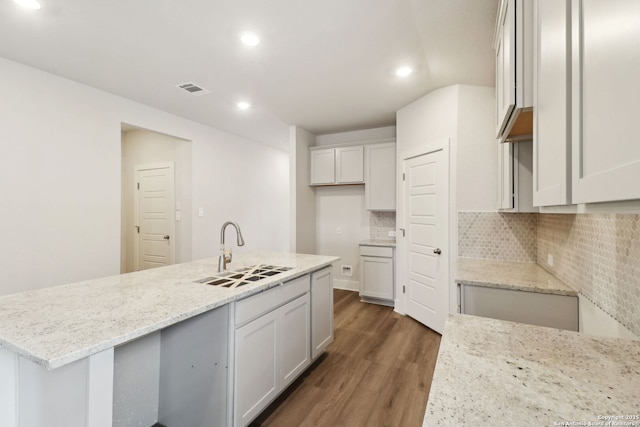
{"x": 379, "y": 251}
{"x": 296, "y": 287}
{"x": 254, "y": 306}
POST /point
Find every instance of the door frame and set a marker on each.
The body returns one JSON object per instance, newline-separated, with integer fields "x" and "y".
{"x": 136, "y": 210}
{"x": 402, "y": 246}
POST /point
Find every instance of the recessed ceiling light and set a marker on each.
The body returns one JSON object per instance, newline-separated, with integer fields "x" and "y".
{"x": 250, "y": 39}
{"x": 29, "y": 4}
{"x": 403, "y": 71}
{"x": 243, "y": 105}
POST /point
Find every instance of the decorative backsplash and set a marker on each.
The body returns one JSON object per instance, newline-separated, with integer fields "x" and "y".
{"x": 498, "y": 236}
{"x": 380, "y": 223}
{"x": 598, "y": 255}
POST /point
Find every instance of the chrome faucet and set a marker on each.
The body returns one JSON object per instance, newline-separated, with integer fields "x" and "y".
{"x": 225, "y": 255}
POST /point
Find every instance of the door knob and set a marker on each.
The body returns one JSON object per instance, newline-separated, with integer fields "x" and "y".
{"x": 437, "y": 251}
{"x": 166, "y": 237}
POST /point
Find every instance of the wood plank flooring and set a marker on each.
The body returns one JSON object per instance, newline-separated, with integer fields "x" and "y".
{"x": 377, "y": 372}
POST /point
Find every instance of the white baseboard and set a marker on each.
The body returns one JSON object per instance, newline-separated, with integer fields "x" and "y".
{"x": 346, "y": 285}
{"x": 594, "y": 321}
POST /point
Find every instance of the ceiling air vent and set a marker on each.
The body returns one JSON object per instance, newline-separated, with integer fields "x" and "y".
{"x": 193, "y": 88}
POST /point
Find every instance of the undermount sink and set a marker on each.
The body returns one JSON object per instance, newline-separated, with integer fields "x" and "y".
{"x": 243, "y": 276}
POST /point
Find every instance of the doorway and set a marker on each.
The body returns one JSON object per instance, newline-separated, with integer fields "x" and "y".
{"x": 425, "y": 246}
{"x": 144, "y": 154}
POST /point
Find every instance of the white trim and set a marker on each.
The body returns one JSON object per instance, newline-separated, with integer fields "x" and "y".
{"x": 352, "y": 144}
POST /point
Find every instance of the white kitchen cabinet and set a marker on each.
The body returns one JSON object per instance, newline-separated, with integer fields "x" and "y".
{"x": 338, "y": 165}
{"x": 380, "y": 177}
{"x": 552, "y": 100}
{"x": 323, "y": 166}
{"x": 515, "y": 185}
{"x": 605, "y": 89}
{"x": 295, "y": 339}
{"x": 256, "y": 367}
{"x": 321, "y": 311}
{"x": 350, "y": 165}
{"x": 377, "y": 277}
{"x": 535, "y": 308}
{"x": 272, "y": 346}
{"x": 514, "y": 70}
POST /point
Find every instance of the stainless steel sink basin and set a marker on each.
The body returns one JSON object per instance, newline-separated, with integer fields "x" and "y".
{"x": 243, "y": 276}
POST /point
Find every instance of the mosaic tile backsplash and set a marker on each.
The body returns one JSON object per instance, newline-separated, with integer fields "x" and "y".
{"x": 498, "y": 236}
{"x": 380, "y": 223}
{"x": 598, "y": 255}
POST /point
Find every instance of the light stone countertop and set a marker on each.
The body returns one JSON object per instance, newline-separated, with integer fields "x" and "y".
{"x": 61, "y": 324}
{"x": 379, "y": 242}
{"x": 519, "y": 276}
{"x": 498, "y": 373}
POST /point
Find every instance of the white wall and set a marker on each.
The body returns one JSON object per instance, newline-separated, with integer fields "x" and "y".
{"x": 140, "y": 147}
{"x": 342, "y": 207}
{"x": 477, "y": 177}
{"x": 60, "y": 180}
{"x": 303, "y": 197}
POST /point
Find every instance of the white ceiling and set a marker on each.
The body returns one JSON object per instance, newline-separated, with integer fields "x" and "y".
{"x": 325, "y": 65}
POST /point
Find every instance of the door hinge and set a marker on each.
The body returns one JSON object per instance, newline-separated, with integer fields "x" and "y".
{"x": 137, "y": 228}
{"x": 404, "y": 291}
{"x": 403, "y": 176}
{"x": 138, "y": 186}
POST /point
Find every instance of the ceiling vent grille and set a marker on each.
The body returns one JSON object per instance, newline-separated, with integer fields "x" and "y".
{"x": 193, "y": 88}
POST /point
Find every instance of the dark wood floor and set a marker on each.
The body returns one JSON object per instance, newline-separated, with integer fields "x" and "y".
{"x": 377, "y": 372}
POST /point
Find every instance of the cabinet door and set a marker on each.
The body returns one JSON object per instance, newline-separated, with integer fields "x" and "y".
{"x": 323, "y": 166}
{"x": 350, "y": 165}
{"x": 321, "y": 311}
{"x": 256, "y": 370}
{"x": 505, "y": 176}
{"x": 505, "y": 65}
{"x": 295, "y": 343}
{"x": 380, "y": 181}
{"x": 377, "y": 277}
{"x": 605, "y": 92}
{"x": 552, "y": 102}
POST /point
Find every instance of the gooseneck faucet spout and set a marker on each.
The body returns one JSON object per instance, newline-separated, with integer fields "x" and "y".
{"x": 225, "y": 255}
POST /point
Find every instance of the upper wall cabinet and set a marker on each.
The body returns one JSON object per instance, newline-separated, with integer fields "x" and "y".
{"x": 515, "y": 177}
{"x": 552, "y": 100}
{"x": 514, "y": 70}
{"x": 342, "y": 165}
{"x": 380, "y": 177}
{"x": 605, "y": 92}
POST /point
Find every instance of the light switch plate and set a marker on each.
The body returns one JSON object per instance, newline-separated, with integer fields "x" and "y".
{"x": 200, "y": 211}
{"x": 550, "y": 260}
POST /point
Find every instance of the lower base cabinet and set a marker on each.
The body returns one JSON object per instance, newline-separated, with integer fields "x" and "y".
{"x": 272, "y": 348}
{"x": 534, "y": 308}
{"x": 377, "y": 282}
{"x": 321, "y": 311}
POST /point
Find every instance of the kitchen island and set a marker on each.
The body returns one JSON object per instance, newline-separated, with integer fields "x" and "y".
{"x": 57, "y": 344}
{"x": 494, "y": 372}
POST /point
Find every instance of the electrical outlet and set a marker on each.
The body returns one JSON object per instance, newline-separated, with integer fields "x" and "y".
{"x": 347, "y": 270}
{"x": 339, "y": 230}
{"x": 550, "y": 260}
{"x": 392, "y": 233}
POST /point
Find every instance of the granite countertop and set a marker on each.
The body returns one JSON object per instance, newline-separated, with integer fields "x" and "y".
{"x": 379, "y": 242}
{"x": 493, "y": 372}
{"x": 61, "y": 324}
{"x": 519, "y": 276}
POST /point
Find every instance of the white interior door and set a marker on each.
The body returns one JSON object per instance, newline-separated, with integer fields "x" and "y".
{"x": 155, "y": 201}
{"x": 425, "y": 207}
